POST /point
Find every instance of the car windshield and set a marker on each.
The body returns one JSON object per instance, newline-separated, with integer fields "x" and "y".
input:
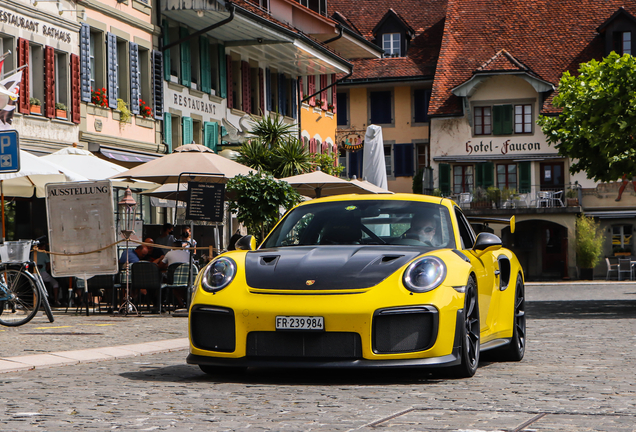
{"x": 365, "y": 222}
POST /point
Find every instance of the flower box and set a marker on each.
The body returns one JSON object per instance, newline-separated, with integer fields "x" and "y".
{"x": 35, "y": 109}
{"x": 60, "y": 113}
{"x": 572, "y": 202}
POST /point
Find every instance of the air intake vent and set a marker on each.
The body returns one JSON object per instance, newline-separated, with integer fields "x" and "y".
{"x": 405, "y": 329}
{"x": 212, "y": 328}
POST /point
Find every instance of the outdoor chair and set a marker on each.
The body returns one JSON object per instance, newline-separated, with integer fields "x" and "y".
{"x": 177, "y": 279}
{"x": 610, "y": 268}
{"x": 465, "y": 199}
{"x": 102, "y": 287}
{"x": 145, "y": 275}
{"x": 624, "y": 266}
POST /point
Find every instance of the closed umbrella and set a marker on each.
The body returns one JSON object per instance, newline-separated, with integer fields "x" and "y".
{"x": 374, "y": 165}
{"x": 319, "y": 184}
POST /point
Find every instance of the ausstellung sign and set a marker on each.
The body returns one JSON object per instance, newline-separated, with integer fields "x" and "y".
{"x": 81, "y": 220}
{"x": 205, "y": 201}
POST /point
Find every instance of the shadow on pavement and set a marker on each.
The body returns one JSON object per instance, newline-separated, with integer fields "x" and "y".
{"x": 577, "y": 309}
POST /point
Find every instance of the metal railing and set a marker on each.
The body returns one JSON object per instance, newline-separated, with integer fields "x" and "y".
{"x": 536, "y": 197}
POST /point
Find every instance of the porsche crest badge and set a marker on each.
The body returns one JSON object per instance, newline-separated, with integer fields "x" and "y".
{"x": 310, "y": 282}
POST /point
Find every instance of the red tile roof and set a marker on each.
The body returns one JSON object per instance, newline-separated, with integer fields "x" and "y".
{"x": 546, "y": 36}
{"x": 425, "y": 17}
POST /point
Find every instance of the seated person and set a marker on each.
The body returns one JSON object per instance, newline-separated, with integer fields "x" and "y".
{"x": 422, "y": 228}
{"x": 134, "y": 255}
{"x": 155, "y": 254}
{"x": 176, "y": 255}
{"x": 165, "y": 238}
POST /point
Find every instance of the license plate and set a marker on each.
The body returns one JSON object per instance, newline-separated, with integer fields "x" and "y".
{"x": 300, "y": 323}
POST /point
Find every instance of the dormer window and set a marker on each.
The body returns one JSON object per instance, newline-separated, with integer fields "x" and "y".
{"x": 623, "y": 42}
{"x": 391, "y": 44}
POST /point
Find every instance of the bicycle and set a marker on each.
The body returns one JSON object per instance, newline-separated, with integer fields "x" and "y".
{"x": 21, "y": 292}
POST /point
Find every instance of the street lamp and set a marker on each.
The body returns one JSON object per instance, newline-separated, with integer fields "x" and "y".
{"x": 127, "y": 207}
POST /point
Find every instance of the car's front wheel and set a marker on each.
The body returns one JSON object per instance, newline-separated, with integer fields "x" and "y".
{"x": 469, "y": 333}
{"x": 517, "y": 347}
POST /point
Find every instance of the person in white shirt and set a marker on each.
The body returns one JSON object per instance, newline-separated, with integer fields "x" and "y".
{"x": 176, "y": 255}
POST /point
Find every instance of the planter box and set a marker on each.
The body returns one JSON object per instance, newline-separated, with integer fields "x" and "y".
{"x": 481, "y": 205}
{"x": 60, "y": 113}
{"x": 586, "y": 273}
{"x": 35, "y": 109}
{"x": 622, "y": 253}
{"x": 572, "y": 202}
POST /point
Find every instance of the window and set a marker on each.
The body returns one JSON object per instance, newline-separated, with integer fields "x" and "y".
{"x": 175, "y": 127}
{"x": 123, "y": 91}
{"x": 255, "y": 86}
{"x": 263, "y": 4}
{"x": 380, "y": 107}
{"x": 61, "y": 78}
{"x": 175, "y": 54}
{"x": 507, "y": 176}
{"x": 391, "y": 44}
{"x": 423, "y": 152}
{"x": 421, "y": 98}
{"x": 482, "y": 121}
{"x": 466, "y": 233}
{"x": 7, "y": 46}
{"x": 96, "y": 58}
{"x": 552, "y": 175}
{"x": 343, "y": 113}
{"x": 523, "y": 118}
{"x": 622, "y": 238}
{"x": 463, "y": 178}
{"x": 623, "y": 42}
{"x": 145, "y": 80}
{"x": 319, "y": 6}
{"x": 36, "y": 72}
{"x": 197, "y": 127}
{"x": 195, "y": 64}
{"x": 388, "y": 159}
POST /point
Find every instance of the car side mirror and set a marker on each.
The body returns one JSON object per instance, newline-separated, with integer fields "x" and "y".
{"x": 487, "y": 242}
{"x": 247, "y": 242}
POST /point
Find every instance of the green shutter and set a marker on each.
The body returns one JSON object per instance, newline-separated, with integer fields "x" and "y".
{"x": 206, "y": 74}
{"x": 502, "y": 120}
{"x": 166, "y": 53}
{"x": 222, "y": 72}
{"x": 188, "y": 136}
{"x": 445, "y": 179}
{"x": 525, "y": 178}
{"x": 211, "y": 135}
{"x": 167, "y": 130}
{"x": 485, "y": 175}
{"x": 186, "y": 68}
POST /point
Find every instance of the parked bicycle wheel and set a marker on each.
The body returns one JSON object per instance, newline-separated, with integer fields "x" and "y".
{"x": 21, "y": 299}
{"x": 44, "y": 295}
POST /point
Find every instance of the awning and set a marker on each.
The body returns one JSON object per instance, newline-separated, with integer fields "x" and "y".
{"x": 489, "y": 157}
{"x": 612, "y": 214}
{"x": 125, "y": 158}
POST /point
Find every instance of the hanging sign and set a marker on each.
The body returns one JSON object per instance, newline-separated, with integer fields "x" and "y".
{"x": 205, "y": 202}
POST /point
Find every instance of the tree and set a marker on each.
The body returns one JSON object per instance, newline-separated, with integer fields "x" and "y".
{"x": 257, "y": 200}
{"x": 597, "y": 124}
{"x": 589, "y": 241}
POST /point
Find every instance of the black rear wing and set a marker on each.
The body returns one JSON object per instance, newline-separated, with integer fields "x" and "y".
{"x": 487, "y": 220}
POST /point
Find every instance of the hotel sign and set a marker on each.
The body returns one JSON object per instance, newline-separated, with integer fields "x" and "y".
{"x": 508, "y": 146}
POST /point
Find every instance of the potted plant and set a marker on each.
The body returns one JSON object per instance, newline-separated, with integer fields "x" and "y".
{"x": 480, "y": 199}
{"x": 622, "y": 252}
{"x": 60, "y": 110}
{"x": 589, "y": 245}
{"x": 99, "y": 98}
{"x": 330, "y": 107}
{"x": 35, "y": 106}
{"x": 572, "y": 198}
{"x": 494, "y": 195}
{"x": 124, "y": 112}
{"x": 144, "y": 109}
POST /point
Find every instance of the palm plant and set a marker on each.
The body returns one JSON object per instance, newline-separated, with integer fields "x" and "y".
{"x": 255, "y": 154}
{"x": 291, "y": 158}
{"x": 272, "y": 129}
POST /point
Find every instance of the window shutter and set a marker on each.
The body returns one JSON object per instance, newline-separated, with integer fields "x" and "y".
{"x": 311, "y": 88}
{"x": 206, "y": 74}
{"x": 507, "y": 120}
{"x": 49, "y": 82}
{"x": 157, "y": 84}
{"x": 167, "y": 130}
{"x": 166, "y": 53}
{"x": 484, "y": 175}
{"x": 312, "y": 146}
{"x": 135, "y": 73}
{"x": 502, "y": 120}
{"x": 381, "y": 107}
{"x": 186, "y": 68}
{"x": 342, "y": 114}
{"x": 300, "y": 92}
{"x": 188, "y": 135}
{"x": 445, "y": 179}
{"x": 111, "y": 57}
{"x": 24, "y": 105}
{"x": 525, "y": 178}
{"x": 268, "y": 88}
{"x": 294, "y": 93}
{"x": 403, "y": 160}
{"x": 282, "y": 94}
{"x": 75, "y": 89}
{"x": 334, "y": 94}
{"x": 222, "y": 72}
{"x": 261, "y": 92}
{"x": 246, "y": 94}
{"x": 421, "y": 99}
{"x": 323, "y": 93}
{"x": 230, "y": 88}
{"x": 211, "y": 135}
{"x": 85, "y": 41}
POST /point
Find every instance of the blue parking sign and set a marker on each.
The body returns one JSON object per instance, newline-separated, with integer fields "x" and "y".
{"x": 9, "y": 152}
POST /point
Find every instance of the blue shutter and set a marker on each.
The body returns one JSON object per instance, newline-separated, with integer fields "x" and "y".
{"x": 222, "y": 72}
{"x": 294, "y": 95}
{"x": 112, "y": 69}
{"x": 135, "y": 73}
{"x": 166, "y": 53}
{"x": 167, "y": 130}
{"x": 206, "y": 75}
{"x": 268, "y": 88}
{"x": 282, "y": 100}
{"x": 355, "y": 164}
{"x": 186, "y": 63}
{"x": 403, "y": 160}
{"x": 188, "y": 134}
{"x": 85, "y": 63}
{"x": 157, "y": 84}
{"x": 211, "y": 135}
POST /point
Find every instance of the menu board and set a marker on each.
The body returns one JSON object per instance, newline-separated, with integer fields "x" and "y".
{"x": 205, "y": 201}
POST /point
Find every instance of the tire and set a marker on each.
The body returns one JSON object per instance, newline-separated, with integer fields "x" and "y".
{"x": 222, "y": 370}
{"x": 25, "y": 298}
{"x": 47, "y": 307}
{"x": 517, "y": 347}
{"x": 469, "y": 334}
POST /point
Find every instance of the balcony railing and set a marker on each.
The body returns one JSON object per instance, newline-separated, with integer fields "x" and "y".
{"x": 536, "y": 197}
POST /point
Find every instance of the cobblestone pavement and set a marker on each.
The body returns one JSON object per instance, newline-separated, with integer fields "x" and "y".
{"x": 578, "y": 375}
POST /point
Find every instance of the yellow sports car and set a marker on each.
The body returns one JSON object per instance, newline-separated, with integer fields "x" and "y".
{"x": 361, "y": 281}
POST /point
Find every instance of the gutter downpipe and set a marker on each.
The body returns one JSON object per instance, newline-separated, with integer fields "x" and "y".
{"x": 230, "y": 6}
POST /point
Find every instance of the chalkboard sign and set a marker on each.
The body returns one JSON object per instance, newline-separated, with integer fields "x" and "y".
{"x": 205, "y": 202}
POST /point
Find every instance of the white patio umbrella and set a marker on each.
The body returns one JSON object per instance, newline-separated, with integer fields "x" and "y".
{"x": 319, "y": 184}
{"x": 370, "y": 186}
{"x": 90, "y": 166}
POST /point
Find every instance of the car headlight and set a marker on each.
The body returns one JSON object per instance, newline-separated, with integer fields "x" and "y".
{"x": 219, "y": 274}
{"x": 425, "y": 274}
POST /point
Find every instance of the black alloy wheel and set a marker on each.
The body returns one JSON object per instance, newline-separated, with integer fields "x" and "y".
{"x": 517, "y": 347}
{"x": 470, "y": 333}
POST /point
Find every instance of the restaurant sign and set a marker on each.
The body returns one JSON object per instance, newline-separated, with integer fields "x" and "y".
{"x": 508, "y": 146}
{"x": 81, "y": 223}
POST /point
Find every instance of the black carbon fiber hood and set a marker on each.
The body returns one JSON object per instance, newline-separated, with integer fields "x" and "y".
{"x": 331, "y": 268}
